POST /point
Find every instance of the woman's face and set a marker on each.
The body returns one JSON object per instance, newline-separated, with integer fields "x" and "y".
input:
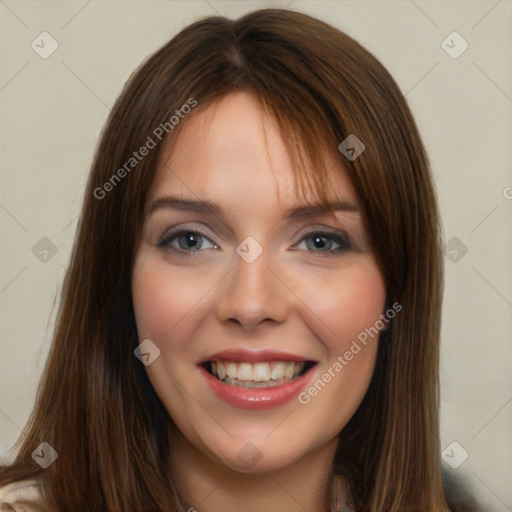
{"x": 232, "y": 276}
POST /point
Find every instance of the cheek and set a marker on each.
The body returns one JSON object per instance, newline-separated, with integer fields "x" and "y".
{"x": 351, "y": 304}
{"x": 342, "y": 303}
{"x": 166, "y": 302}
{"x": 359, "y": 305}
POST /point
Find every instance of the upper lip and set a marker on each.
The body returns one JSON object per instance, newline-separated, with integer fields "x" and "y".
{"x": 253, "y": 356}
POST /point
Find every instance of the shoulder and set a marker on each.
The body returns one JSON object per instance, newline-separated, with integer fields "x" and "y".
{"x": 24, "y": 490}
{"x": 458, "y": 494}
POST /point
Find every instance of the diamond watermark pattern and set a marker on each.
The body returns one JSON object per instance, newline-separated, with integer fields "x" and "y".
{"x": 45, "y": 455}
{"x": 249, "y": 249}
{"x": 44, "y": 45}
{"x": 454, "y": 45}
{"x": 147, "y": 352}
{"x": 455, "y": 249}
{"x": 44, "y": 250}
{"x": 454, "y": 455}
{"x": 352, "y": 147}
{"x": 249, "y": 455}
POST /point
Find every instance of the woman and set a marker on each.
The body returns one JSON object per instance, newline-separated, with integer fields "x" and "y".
{"x": 251, "y": 316}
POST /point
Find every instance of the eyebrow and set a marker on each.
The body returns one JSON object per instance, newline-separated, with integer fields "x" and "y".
{"x": 204, "y": 206}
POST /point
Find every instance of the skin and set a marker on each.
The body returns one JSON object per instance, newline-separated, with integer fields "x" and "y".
{"x": 292, "y": 298}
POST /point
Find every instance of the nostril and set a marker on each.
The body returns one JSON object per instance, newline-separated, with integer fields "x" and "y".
{"x": 249, "y": 326}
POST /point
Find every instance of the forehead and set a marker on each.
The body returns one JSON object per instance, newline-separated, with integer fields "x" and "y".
{"x": 232, "y": 149}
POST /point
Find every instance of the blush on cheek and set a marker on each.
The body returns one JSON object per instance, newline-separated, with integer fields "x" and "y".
{"x": 156, "y": 307}
{"x": 166, "y": 303}
{"x": 368, "y": 292}
{"x": 349, "y": 303}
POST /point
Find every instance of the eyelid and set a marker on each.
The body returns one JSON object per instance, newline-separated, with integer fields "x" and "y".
{"x": 326, "y": 230}
{"x": 339, "y": 236}
{"x": 170, "y": 233}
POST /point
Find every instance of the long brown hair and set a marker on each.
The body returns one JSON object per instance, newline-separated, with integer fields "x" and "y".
{"x": 95, "y": 405}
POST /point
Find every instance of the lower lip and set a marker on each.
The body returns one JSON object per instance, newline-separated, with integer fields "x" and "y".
{"x": 256, "y": 398}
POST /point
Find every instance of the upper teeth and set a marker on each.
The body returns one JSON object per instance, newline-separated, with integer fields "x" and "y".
{"x": 257, "y": 372}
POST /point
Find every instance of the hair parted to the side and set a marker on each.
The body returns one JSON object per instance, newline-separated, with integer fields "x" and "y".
{"x": 96, "y": 406}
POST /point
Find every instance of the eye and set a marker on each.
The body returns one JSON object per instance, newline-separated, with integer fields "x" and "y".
{"x": 186, "y": 240}
{"x": 323, "y": 242}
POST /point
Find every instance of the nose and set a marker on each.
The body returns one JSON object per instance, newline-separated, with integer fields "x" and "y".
{"x": 252, "y": 295}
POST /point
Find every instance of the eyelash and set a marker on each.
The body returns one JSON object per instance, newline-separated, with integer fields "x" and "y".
{"x": 341, "y": 239}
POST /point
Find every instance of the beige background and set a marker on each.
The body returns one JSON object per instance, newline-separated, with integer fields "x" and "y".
{"x": 53, "y": 110}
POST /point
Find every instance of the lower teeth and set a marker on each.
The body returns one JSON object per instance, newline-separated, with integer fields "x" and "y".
{"x": 251, "y": 384}
{"x": 267, "y": 384}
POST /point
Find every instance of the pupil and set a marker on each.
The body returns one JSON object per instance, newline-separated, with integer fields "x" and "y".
{"x": 191, "y": 240}
{"x": 318, "y": 242}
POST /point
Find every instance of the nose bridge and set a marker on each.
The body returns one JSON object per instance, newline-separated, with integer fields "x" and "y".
{"x": 252, "y": 293}
{"x": 252, "y": 278}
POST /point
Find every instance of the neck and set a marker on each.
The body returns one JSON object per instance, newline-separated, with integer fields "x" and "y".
{"x": 207, "y": 485}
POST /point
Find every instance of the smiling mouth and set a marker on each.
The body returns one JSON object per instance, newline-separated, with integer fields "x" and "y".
{"x": 257, "y": 375}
